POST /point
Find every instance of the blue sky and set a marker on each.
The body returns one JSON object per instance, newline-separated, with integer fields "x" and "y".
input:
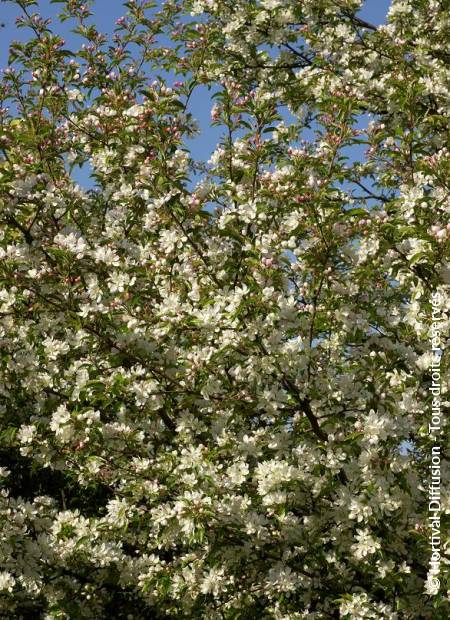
{"x": 105, "y": 14}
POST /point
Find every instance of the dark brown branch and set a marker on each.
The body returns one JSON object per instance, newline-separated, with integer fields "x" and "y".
{"x": 360, "y": 22}
{"x": 305, "y": 409}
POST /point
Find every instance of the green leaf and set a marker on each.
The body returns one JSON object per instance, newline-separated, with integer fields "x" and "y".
{"x": 356, "y": 211}
{"x": 416, "y": 258}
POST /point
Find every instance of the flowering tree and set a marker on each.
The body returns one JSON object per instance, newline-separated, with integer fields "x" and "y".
{"x": 215, "y": 398}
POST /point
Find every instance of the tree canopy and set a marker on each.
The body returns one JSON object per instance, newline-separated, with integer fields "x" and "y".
{"x": 216, "y": 374}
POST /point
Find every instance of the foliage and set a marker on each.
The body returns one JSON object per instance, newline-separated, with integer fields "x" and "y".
{"x": 212, "y": 370}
